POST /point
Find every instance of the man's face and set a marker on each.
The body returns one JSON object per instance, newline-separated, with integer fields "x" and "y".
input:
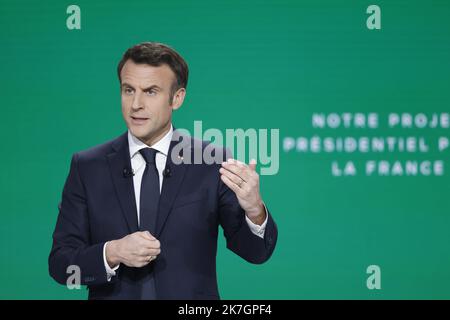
{"x": 146, "y": 105}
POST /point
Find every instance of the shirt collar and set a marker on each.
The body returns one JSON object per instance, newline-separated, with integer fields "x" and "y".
{"x": 162, "y": 145}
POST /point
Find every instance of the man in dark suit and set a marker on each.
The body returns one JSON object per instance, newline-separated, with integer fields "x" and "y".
{"x": 138, "y": 215}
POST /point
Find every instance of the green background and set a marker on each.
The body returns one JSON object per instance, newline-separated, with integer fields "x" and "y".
{"x": 253, "y": 64}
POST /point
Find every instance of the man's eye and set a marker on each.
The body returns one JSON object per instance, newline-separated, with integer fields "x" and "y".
{"x": 151, "y": 93}
{"x": 128, "y": 90}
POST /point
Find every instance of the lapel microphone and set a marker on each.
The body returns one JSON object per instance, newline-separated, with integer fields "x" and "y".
{"x": 128, "y": 172}
{"x": 166, "y": 172}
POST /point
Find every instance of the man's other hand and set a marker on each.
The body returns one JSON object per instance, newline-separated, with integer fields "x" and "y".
{"x": 134, "y": 250}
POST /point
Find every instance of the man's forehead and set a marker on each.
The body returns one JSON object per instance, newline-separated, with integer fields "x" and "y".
{"x": 146, "y": 75}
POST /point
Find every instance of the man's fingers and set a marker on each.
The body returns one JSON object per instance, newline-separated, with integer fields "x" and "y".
{"x": 147, "y": 235}
{"x": 148, "y": 252}
{"x": 237, "y": 168}
{"x": 153, "y": 244}
{"x": 233, "y": 186}
{"x": 144, "y": 260}
{"x": 150, "y": 244}
{"x": 230, "y": 175}
{"x": 252, "y": 165}
{"x": 147, "y": 241}
{"x": 153, "y": 252}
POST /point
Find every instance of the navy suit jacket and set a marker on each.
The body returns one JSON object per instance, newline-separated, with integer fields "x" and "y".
{"x": 98, "y": 205}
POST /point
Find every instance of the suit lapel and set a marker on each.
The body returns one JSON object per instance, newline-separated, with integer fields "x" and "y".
{"x": 171, "y": 184}
{"x": 119, "y": 160}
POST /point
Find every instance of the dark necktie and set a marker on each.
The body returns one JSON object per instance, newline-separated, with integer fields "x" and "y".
{"x": 148, "y": 210}
{"x": 149, "y": 198}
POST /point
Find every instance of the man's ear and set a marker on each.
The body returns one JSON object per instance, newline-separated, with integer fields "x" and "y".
{"x": 178, "y": 98}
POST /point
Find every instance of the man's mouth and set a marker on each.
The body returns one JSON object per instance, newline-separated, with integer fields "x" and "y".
{"x": 138, "y": 120}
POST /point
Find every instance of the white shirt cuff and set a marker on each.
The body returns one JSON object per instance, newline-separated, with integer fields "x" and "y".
{"x": 109, "y": 272}
{"x": 258, "y": 229}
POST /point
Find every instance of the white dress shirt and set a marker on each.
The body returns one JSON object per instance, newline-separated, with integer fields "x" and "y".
{"x": 138, "y": 167}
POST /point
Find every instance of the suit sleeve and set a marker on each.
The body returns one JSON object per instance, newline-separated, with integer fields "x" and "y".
{"x": 239, "y": 237}
{"x": 71, "y": 237}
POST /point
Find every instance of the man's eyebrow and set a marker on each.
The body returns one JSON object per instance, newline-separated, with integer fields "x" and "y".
{"x": 152, "y": 87}
{"x": 124, "y": 84}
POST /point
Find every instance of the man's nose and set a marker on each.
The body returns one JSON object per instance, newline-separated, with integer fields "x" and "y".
{"x": 137, "y": 102}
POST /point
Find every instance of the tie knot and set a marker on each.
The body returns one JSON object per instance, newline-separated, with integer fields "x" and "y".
{"x": 148, "y": 154}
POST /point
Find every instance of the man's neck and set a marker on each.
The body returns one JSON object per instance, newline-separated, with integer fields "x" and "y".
{"x": 157, "y": 137}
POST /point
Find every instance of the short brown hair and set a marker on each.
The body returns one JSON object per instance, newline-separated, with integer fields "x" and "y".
{"x": 156, "y": 54}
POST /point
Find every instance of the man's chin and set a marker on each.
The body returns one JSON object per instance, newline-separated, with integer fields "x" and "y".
{"x": 140, "y": 133}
